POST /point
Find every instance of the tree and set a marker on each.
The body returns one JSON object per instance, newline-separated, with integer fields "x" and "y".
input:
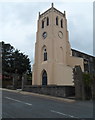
{"x": 21, "y": 63}
{"x": 94, "y": 81}
{"x": 88, "y": 82}
{"x": 14, "y": 61}
{"x": 7, "y": 58}
{"x": 87, "y": 79}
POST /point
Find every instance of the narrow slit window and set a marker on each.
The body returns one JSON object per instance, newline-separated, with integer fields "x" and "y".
{"x": 61, "y": 23}
{"x": 42, "y": 24}
{"x": 47, "y": 21}
{"x": 57, "y": 20}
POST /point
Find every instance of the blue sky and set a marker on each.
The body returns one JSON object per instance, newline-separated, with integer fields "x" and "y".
{"x": 18, "y": 24}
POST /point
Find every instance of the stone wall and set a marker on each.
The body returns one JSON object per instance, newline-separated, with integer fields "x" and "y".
{"x": 79, "y": 85}
{"x": 60, "y": 91}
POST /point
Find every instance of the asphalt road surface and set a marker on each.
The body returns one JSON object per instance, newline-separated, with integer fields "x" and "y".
{"x": 19, "y": 105}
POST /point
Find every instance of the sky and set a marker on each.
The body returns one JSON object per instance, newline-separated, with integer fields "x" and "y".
{"x": 18, "y": 24}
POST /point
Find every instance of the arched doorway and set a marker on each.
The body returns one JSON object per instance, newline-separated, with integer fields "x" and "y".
{"x": 44, "y": 78}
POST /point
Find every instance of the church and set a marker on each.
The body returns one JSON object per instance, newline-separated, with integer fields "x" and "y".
{"x": 54, "y": 61}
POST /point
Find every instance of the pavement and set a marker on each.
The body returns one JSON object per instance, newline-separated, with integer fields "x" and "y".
{"x": 21, "y": 104}
{"x": 41, "y": 95}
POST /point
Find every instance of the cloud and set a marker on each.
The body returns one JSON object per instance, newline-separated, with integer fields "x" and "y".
{"x": 80, "y": 26}
{"x": 17, "y": 27}
{"x": 18, "y": 24}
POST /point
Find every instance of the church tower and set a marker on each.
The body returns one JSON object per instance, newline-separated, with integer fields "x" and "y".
{"x": 53, "y": 57}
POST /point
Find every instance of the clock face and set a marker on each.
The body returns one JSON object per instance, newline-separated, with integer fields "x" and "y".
{"x": 60, "y": 34}
{"x": 44, "y": 35}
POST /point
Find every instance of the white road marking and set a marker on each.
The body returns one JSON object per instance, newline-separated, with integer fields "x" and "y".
{"x": 64, "y": 114}
{"x": 28, "y": 104}
{"x": 18, "y": 101}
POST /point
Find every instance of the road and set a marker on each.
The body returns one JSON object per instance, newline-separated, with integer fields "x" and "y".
{"x": 20, "y": 105}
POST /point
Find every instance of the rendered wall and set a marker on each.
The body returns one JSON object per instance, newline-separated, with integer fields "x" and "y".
{"x": 60, "y": 62}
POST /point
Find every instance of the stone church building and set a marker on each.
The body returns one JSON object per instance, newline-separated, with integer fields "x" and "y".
{"x": 54, "y": 61}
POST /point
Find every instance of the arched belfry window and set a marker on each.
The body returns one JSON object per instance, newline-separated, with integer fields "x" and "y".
{"x": 47, "y": 21}
{"x": 44, "y": 77}
{"x": 44, "y": 53}
{"x": 42, "y": 24}
{"x": 61, "y": 23}
{"x": 57, "y": 20}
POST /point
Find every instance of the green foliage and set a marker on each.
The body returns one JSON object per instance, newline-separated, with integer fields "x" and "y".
{"x": 7, "y": 51}
{"x": 29, "y": 76}
{"x": 87, "y": 79}
{"x": 13, "y": 61}
{"x": 21, "y": 63}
